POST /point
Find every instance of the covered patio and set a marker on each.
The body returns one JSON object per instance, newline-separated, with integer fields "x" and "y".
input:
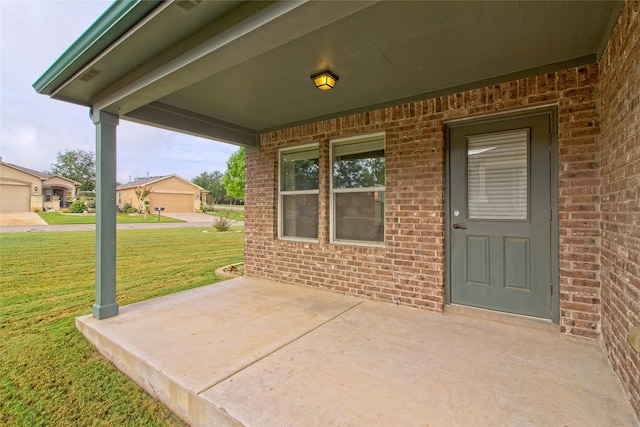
{"x": 259, "y": 353}
{"x": 421, "y": 89}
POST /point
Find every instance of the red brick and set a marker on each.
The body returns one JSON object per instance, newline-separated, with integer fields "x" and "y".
{"x": 620, "y": 176}
{"x": 599, "y": 176}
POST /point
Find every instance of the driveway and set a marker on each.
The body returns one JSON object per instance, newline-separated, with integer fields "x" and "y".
{"x": 20, "y": 219}
{"x": 192, "y": 217}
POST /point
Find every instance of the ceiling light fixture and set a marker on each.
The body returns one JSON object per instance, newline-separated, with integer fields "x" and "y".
{"x": 324, "y": 80}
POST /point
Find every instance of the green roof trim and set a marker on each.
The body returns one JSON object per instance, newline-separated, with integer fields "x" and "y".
{"x": 119, "y": 18}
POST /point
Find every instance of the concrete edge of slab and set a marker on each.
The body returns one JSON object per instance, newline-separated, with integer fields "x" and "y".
{"x": 185, "y": 403}
{"x": 496, "y": 316}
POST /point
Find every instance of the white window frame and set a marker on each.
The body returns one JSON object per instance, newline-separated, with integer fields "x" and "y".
{"x": 371, "y": 137}
{"x": 281, "y": 193}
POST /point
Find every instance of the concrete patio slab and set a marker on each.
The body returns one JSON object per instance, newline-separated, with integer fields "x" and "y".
{"x": 257, "y": 353}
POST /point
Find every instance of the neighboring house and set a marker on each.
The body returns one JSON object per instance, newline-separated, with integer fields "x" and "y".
{"x": 26, "y": 190}
{"x": 173, "y": 193}
{"x": 483, "y": 154}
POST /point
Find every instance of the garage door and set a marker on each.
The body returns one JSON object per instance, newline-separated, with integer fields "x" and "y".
{"x": 173, "y": 202}
{"x": 15, "y": 198}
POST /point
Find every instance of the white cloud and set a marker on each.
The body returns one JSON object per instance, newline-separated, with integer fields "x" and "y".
{"x": 143, "y": 149}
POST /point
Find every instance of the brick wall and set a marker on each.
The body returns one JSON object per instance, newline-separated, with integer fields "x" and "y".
{"x": 620, "y": 194}
{"x": 410, "y": 269}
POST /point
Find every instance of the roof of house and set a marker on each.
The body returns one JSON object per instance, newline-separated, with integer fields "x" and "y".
{"x": 142, "y": 182}
{"x": 42, "y": 175}
{"x": 232, "y": 70}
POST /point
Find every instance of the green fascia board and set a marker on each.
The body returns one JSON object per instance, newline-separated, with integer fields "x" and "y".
{"x": 119, "y": 18}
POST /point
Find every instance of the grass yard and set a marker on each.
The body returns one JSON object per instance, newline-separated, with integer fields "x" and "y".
{"x": 233, "y": 214}
{"x": 50, "y": 375}
{"x": 57, "y": 218}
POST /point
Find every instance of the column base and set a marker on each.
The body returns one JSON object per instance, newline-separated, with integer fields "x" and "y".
{"x": 104, "y": 311}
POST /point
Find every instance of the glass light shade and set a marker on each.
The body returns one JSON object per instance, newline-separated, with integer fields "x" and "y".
{"x": 325, "y": 80}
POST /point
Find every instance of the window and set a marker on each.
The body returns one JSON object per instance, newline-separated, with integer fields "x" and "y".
{"x": 498, "y": 175}
{"x": 358, "y": 190}
{"x": 298, "y": 196}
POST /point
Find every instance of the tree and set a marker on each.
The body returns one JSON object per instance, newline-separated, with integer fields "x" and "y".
{"x": 78, "y": 165}
{"x": 142, "y": 193}
{"x": 212, "y": 182}
{"x": 233, "y": 179}
{"x": 354, "y": 173}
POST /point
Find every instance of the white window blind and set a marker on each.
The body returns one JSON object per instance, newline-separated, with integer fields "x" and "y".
{"x": 498, "y": 175}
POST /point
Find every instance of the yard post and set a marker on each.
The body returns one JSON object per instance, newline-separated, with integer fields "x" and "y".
{"x": 105, "y": 305}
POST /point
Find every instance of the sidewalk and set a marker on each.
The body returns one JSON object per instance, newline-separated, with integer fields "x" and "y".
{"x": 191, "y": 220}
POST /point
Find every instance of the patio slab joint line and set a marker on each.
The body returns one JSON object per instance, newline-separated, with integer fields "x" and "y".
{"x": 242, "y": 368}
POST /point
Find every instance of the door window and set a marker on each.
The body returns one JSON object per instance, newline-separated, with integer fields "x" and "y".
{"x": 498, "y": 175}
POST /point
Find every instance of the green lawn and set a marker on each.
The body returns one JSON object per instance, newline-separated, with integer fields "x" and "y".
{"x": 49, "y": 374}
{"x": 229, "y": 212}
{"x": 57, "y": 218}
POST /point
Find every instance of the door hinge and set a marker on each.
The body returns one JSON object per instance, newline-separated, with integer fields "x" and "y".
{"x": 551, "y": 288}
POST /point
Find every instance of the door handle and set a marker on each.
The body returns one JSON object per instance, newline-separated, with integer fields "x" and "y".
{"x": 458, "y": 226}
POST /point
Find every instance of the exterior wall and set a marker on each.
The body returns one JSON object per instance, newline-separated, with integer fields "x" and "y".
{"x": 36, "y": 203}
{"x": 170, "y": 193}
{"x": 174, "y": 184}
{"x": 620, "y": 197}
{"x": 127, "y": 196}
{"x": 58, "y": 186}
{"x": 409, "y": 270}
{"x": 13, "y": 177}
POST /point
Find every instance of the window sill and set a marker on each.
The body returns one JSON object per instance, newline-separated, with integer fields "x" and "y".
{"x": 298, "y": 240}
{"x": 359, "y": 243}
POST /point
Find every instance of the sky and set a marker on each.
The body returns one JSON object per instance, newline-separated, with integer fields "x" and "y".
{"x": 34, "y": 128}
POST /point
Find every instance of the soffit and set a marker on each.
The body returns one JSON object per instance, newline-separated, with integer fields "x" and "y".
{"x": 390, "y": 52}
{"x": 250, "y": 62}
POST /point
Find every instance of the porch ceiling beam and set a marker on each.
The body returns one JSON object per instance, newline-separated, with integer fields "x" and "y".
{"x": 176, "y": 119}
{"x": 251, "y": 37}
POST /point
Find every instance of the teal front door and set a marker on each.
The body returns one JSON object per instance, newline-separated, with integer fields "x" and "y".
{"x": 499, "y": 215}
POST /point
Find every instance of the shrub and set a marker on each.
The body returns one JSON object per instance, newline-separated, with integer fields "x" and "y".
{"x": 78, "y": 207}
{"x": 222, "y": 222}
{"x": 126, "y": 207}
{"x": 91, "y": 204}
{"x": 131, "y": 210}
{"x": 37, "y": 209}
